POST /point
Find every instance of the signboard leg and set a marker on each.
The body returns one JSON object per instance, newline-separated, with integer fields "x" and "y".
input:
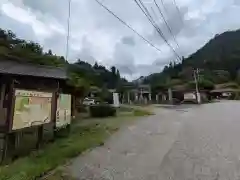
{"x": 5, "y": 147}
{"x": 68, "y": 129}
{"x": 40, "y": 136}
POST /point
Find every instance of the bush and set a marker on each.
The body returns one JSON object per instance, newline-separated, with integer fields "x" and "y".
{"x": 82, "y": 109}
{"x": 141, "y": 112}
{"x": 102, "y": 110}
{"x": 234, "y": 96}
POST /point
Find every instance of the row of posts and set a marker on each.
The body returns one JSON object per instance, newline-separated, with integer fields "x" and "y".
{"x": 164, "y": 98}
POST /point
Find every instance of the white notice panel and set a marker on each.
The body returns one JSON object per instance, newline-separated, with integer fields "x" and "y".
{"x": 116, "y": 102}
{"x": 189, "y": 96}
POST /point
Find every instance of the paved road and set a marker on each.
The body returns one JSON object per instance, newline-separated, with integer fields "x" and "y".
{"x": 190, "y": 143}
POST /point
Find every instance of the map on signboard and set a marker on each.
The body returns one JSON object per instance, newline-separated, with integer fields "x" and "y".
{"x": 31, "y": 108}
{"x": 63, "y": 116}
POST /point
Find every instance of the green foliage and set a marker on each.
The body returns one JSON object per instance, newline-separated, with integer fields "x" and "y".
{"x": 97, "y": 75}
{"x": 231, "y": 85}
{"x": 102, "y": 110}
{"x": 82, "y": 137}
{"x": 81, "y": 74}
{"x": 173, "y": 82}
{"x": 218, "y": 61}
{"x": 235, "y": 96}
{"x": 81, "y": 85}
{"x": 106, "y": 96}
{"x": 37, "y": 163}
{"x": 206, "y": 84}
{"x": 141, "y": 112}
{"x": 202, "y": 84}
{"x": 238, "y": 77}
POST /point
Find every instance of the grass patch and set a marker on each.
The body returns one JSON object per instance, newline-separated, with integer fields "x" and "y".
{"x": 54, "y": 154}
{"x": 84, "y": 134}
{"x": 58, "y": 175}
{"x": 125, "y": 109}
{"x": 142, "y": 112}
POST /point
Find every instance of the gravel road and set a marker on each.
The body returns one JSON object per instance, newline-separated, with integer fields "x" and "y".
{"x": 183, "y": 143}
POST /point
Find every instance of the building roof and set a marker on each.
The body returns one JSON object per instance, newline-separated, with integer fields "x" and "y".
{"x": 231, "y": 85}
{"x": 225, "y": 90}
{"x": 27, "y": 69}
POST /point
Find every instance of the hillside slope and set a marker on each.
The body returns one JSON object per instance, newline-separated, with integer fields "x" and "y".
{"x": 219, "y": 61}
{"x": 83, "y": 73}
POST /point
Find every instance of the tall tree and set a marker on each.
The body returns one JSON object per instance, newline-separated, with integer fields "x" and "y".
{"x": 113, "y": 70}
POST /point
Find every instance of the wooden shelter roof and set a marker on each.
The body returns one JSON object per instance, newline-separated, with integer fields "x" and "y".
{"x": 225, "y": 90}
{"x": 27, "y": 69}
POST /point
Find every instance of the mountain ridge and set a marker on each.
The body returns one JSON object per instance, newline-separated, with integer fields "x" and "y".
{"x": 218, "y": 59}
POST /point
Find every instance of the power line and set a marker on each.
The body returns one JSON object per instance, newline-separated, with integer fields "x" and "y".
{"x": 174, "y": 38}
{"x": 178, "y": 10}
{"x": 123, "y": 22}
{"x": 165, "y": 9}
{"x": 148, "y": 15}
{"x": 157, "y": 18}
{"x": 151, "y": 20}
{"x": 68, "y": 28}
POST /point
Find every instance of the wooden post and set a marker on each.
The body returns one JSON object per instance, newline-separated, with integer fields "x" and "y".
{"x": 157, "y": 98}
{"x": 73, "y": 106}
{"x": 17, "y": 140}
{"x": 39, "y": 136}
{"x": 2, "y": 96}
{"x": 170, "y": 96}
{"x": 128, "y": 97}
{"x": 53, "y": 112}
{"x": 9, "y": 117}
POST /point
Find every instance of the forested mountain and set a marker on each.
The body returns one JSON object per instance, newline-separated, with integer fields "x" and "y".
{"x": 82, "y": 74}
{"x": 218, "y": 61}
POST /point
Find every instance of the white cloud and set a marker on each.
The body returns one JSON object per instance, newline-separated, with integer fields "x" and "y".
{"x": 26, "y": 16}
{"x": 96, "y": 34}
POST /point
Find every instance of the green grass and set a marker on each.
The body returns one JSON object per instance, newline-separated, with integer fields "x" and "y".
{"x": 142, "y": 112}
{"x": 58, "y": 174}
{"x": 84, "y": 134}
{"x": 34, "y": 166}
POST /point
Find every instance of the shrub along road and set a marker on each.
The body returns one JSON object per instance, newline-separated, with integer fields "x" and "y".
{"x": 199, "y": 142}
{"x": 84, "y": 134}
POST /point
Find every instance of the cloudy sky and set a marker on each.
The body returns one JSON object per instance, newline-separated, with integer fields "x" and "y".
{"x": 97, "y": 36}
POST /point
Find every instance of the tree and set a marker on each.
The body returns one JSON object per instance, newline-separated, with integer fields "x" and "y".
{"x": 49, "y": 52}
{"x": 33, "y": 47}
{"x": 81, "y": 73}
{"x": 118, "y": 74}
{"x": 106, "y": 96}
{"x": 219, "y": 59}
{"x": 80, "y": 85}
{"x": 95, "y": 65}
{"x": 202, "y": 84}
{"x": 238, "y": 77}
{"x": 113, "y": 70}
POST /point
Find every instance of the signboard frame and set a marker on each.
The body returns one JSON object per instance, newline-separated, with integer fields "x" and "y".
{"x": 12, "y": 110}
{"x": 59, "y": 125}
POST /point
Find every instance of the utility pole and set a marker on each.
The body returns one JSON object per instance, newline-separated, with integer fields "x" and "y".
{"x": 195, "y": 73}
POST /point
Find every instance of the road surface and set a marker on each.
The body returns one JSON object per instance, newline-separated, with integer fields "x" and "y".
{"x": 185, "y": 143}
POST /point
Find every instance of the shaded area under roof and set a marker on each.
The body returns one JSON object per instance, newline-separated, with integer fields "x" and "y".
{"x": 27, "y": 69}
{"x": 231, "y": 85}
{"x": 225, "y": 90}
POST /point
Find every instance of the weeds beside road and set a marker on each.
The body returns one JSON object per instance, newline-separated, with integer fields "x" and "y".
{"x": 84, "y": 134}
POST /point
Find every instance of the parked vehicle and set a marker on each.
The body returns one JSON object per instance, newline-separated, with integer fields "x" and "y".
{"x": 88, "y": 102}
